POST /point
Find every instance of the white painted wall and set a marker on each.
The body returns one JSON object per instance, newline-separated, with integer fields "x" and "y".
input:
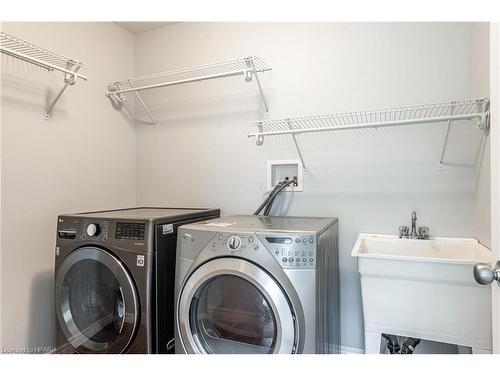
{"x": 495, "y": 173}
{"x": 199, "y": 154}
{"x": 83, "y": 158}
{"x": 1, "y": 306}
{"x": 481, "y": 88}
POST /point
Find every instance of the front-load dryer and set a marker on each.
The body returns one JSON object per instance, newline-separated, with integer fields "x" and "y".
{"x": 114, "y": 285}
{"x": 258, "y": 284}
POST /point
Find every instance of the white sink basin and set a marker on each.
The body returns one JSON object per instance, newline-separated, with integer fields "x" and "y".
{"x": 436, "y": 249}
{"x": 424, "y": 289}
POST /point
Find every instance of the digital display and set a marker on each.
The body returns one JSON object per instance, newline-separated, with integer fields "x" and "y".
{"x": 285, "y": 240}
{"x": 130, "y": 231}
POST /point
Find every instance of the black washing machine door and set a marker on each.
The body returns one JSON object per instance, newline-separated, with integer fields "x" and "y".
{"x": 96, "y": 302}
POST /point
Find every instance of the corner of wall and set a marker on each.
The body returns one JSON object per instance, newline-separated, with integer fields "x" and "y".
{"x": 480, "y": 76}
{"x": 134, "y": 68}
{"x": 133, "y": 58}
{"x": 1, "y": 273}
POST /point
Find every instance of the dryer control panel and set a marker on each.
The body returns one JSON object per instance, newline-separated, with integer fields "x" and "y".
{"x": 291, "y": 251}
{"x": 235, "y": 243}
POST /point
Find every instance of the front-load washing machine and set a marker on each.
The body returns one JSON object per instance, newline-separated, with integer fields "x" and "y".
{"x": 258, "y": 284}
{"x": 114, "y": 286}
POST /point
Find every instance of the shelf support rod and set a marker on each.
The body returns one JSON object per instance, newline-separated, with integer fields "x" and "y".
{"x": 69, "y": 80}
{"x": 250, "y": 61}
{"x": 440, "y": 165}
{"x": 297, "y": 146}
{"x": 143, "y": 104}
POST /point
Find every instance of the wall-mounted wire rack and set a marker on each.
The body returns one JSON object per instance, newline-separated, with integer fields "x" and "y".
{"x": 472, "y": 111}
{"x": 33, "y": 54}
{"x": 248, "y": 67}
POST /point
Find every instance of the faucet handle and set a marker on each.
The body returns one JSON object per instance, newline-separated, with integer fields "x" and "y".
{"x": 403, "y": 231}
{"x": 423, "y": 232}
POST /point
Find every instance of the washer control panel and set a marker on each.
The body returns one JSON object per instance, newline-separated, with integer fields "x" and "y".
{"x": 95, "y": 230}
{"x": 291, "y": 251}
{"x": 130, "y": 231}
{"x": 132, "y": 235}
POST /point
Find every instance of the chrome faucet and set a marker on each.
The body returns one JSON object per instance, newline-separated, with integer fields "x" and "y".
{"x": 413, "y": 232}
{"x": 422, "y": 233}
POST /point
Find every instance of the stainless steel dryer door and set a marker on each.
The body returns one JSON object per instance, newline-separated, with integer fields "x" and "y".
{"x": 96, "y": 302}
{"x": 230, "y": 305}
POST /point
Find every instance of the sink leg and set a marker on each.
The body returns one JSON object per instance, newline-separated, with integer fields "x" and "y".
{"x": 372, "y": 342}
{"x": 481, "y": 351}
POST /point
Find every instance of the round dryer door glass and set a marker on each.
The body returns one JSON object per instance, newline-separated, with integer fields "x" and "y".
{"x": 96, "y": 302}
{"x": 230, "y": 315}
{"x": 230, "y": 305}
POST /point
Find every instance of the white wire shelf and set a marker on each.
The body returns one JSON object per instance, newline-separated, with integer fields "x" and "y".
{"x": 36, "y": 55}
{"x": 248, "y": 67}
{"x": 474, "y": 111}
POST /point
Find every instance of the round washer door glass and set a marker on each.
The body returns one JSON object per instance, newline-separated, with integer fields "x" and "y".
{"x": 96, "y": 302}
{"x": 229, "y": 314}
{"x": 229, "y": 305}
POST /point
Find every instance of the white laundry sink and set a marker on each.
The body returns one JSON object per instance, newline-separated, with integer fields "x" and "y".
{"x": 424, "y": 289}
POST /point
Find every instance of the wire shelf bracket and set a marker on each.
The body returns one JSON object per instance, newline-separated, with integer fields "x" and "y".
{"x": 41, "y": 57}
{"x": 473, "y": 111}
{"x": 249, "y": 67}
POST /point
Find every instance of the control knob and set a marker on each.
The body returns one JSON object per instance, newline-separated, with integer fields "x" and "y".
{"x": 234, "y": 243}
{"x": 93, "y": 230}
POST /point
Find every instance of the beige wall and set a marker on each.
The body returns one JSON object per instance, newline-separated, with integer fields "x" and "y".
{"x": 199, "y": 153}
{"x": 83, "y": 158}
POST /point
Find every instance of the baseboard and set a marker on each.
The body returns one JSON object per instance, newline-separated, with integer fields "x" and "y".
{"x": 349, "y": 350}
